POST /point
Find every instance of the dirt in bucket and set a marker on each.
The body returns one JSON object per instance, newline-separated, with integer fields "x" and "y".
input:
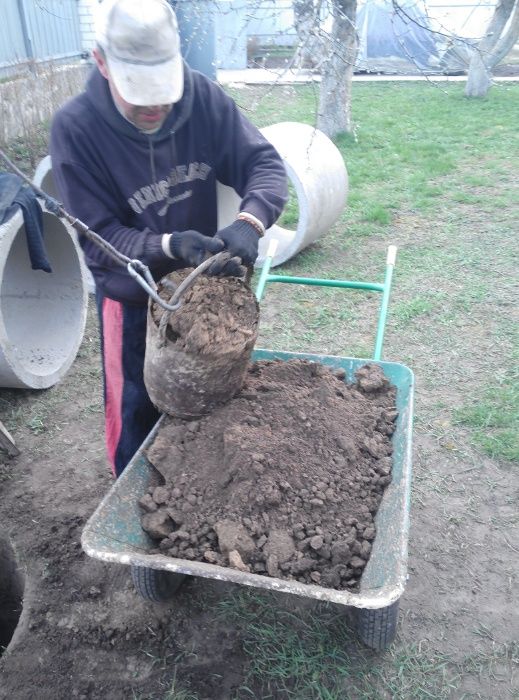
{"x": 284, "y": 480}
{"x": 197, "y": 356}
{"x": 217, "y": 314}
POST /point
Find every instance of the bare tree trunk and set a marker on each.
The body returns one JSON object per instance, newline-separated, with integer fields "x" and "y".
{"x": 479, "y": 78}
{"x": 337, "y": 71}
{"x": 491, "y": 49}
{"x": 509, "y": 39}
{"x": 306, "y": 19}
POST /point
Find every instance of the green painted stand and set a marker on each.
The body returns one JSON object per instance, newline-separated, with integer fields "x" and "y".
{"x": 384, "y": 289}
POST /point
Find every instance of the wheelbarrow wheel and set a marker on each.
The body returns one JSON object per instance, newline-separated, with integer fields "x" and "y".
{"x": 377, "y": 628}
{"x": 156, "y": 585}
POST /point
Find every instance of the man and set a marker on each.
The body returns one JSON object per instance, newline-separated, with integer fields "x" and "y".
{"x": 136, "y": 157}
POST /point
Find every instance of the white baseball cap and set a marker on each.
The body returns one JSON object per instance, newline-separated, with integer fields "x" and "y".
{"x": 142, "y": 49}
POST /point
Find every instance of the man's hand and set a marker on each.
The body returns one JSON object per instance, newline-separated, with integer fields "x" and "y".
{"x": 226, "y": 268}
{"x": 241, "y": 239}
{"x": 192, "y": 246}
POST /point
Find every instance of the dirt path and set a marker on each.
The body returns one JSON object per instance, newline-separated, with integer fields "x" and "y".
{"x": 84, "y": 632}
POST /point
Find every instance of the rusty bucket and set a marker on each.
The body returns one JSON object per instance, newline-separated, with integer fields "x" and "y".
{"x": 197, "y": 356}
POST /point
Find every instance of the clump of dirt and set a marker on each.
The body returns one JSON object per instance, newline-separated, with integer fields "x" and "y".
{"x": 284, "y": 480}
{"x": 216, "y": 313}
{"x": 197, "y": 357}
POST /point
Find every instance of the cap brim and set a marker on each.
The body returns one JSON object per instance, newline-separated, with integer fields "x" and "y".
{"x": 145, "y": 85}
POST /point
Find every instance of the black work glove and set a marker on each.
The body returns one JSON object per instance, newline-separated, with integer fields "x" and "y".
{"x": 231, "y": 267}
{"x": 192, "y": 246}
{"x": 240, "y": 239}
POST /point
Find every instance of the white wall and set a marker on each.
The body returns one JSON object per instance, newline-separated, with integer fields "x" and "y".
{"x": 465, "y": 18}
{"x": 86, "y": 9}
{"x": 30, "y": 100}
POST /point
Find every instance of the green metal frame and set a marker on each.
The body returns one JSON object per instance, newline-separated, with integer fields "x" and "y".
{"x": 384, "y": 289}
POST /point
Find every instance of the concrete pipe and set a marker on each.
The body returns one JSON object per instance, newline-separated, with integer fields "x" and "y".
{"x": 44, "y": 179}
{"x": 318, "y": 174}
{"x": 42, "y": 315}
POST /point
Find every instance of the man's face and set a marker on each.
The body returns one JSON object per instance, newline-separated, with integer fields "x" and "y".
{"x": 149, "y": 118}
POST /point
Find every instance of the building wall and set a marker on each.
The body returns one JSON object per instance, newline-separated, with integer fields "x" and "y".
{"x": 36, "y": 32}
{"x": 231, "y": 21}
{"x": 33, "y": 99}
{"x": 86, "y": 10}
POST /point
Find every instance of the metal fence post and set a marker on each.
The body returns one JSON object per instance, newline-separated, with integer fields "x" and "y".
{"x": 25, "y": 31}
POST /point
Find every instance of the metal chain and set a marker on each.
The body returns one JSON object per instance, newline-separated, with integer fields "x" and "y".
{"x": 138, "y": 270}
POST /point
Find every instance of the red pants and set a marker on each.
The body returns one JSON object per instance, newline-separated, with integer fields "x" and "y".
{"x": 129, "y": 413}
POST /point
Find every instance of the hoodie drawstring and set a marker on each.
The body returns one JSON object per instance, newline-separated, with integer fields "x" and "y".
{"x": 173, "y": 148}
{"x": 173, "y": 151}
{"x": 152, "y": 161}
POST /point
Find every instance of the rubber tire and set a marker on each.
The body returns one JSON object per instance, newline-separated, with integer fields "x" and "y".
{"x": 377, "y": 628}
{"x": 156, "y": 585}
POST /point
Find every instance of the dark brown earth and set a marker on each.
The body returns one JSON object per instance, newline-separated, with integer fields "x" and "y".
{"x": 217, "y": 314}
{"x": 197, "y": 356}
{"x": 284, "y": 480}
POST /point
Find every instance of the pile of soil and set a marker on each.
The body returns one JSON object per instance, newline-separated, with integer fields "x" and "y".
{"x": 284, "y": 480}
{"x": 217, "y": 315}
{"x": 196, "y": 357}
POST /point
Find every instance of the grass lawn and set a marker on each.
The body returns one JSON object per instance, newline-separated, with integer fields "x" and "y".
{"x": 421, "y": 160}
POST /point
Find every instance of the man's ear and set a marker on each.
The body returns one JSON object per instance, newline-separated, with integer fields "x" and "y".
{"x": 100, "y": 62}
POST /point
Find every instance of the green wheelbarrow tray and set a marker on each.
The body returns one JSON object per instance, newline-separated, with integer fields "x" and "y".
{"x": 114, "y": 534}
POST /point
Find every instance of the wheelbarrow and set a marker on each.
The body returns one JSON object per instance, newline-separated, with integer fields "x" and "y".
{"x": 114, "y": 534}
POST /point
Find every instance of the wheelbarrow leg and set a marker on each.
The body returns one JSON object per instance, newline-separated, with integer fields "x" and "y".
{"x": 156, "y": 585}
{"x": 377, "y": 628}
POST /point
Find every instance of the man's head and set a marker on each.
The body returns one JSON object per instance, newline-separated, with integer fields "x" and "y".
{"x": 139, "y": 54}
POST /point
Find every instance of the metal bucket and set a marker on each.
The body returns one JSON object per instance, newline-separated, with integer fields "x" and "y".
{"x": 189, "y": 385}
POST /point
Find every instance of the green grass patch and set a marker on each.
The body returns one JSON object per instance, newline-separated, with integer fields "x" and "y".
{"x": 313, "y": 655}
{"x": 26, "y": 151}
{"x": 376, "y": 214}
{"x": 466, "y": 198}
{"x": 410, "y": 309}
{"x": 269, "y": 105}
{"x": 307, "y": 653}
{"x": 494, "y": 419}
{"x": 419, "y": 155}
{"x": 290, "y": 215}
{"x": 407, "y": 136}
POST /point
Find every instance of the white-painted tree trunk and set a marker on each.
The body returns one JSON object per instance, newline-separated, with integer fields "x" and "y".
{"x": 337, "y": 71}
{"x": 493, "y": 47}
{"x": 307, "y": 24}
{"x": 479, "y": 79}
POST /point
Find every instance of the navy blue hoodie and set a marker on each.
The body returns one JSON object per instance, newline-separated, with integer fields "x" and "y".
{"x": 131, "y": 188}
